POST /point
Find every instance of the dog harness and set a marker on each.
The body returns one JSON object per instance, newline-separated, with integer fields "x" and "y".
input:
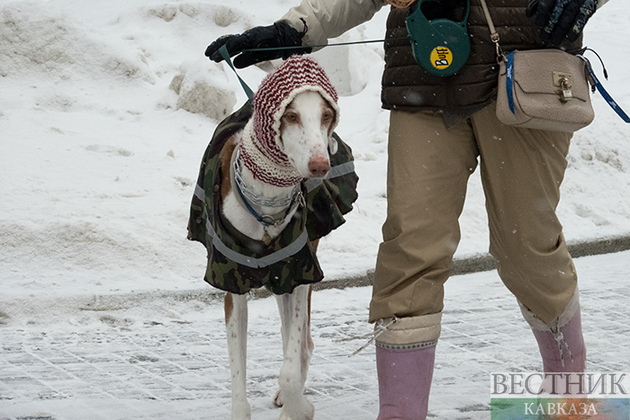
{"x": 237, "y": 263}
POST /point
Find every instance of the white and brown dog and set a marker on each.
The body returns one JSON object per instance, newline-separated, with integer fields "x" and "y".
{"x": 287, "y": 140}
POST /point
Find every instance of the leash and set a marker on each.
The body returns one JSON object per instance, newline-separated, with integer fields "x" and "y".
{"x": 379, "y": 329}
{"x": 371, "y": 41}
{"x": 226, "y": 56}
{"x": 250, "y": 93}
{"x": 600, "y": 88}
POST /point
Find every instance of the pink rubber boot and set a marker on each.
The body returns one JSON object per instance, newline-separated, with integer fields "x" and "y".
{"x": 562, "y": 349}
{"x": 404, "y": 381}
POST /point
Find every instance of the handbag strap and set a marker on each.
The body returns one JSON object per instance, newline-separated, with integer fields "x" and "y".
{"x": 494, "y": 35}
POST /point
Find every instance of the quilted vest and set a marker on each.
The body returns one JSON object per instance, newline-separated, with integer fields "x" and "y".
{"x": 407, "y": 86}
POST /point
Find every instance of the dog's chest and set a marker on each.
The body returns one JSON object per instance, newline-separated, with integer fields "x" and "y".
{"x": 254, "y": 208}
{"x": 246, "y": 223}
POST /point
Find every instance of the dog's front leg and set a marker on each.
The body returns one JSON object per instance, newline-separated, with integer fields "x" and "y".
{"x": 236, "y": 325}
{"x": 298, "y": 347}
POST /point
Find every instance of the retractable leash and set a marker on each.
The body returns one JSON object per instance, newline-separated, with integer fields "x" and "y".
{"x": 250, "y": 94}
{"x": 598, "y": 85}
{"x": 440, "y": 44}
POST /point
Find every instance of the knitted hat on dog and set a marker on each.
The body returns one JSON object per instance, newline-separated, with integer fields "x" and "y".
{"x": 260, "y": 149}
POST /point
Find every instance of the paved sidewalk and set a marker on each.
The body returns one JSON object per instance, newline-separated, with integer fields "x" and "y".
{"x": 166, "y": 358}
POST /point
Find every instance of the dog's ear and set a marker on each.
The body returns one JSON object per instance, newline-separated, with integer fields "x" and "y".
{"x": 332, "y": 144}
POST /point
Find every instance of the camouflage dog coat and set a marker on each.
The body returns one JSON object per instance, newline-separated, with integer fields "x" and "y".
{"x": 237, "y": 263}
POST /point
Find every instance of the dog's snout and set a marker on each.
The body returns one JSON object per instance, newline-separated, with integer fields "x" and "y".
{"x": 318, "y": 167}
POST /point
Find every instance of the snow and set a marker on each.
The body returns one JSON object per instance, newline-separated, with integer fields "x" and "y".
{"x": 103, "y": 126}
{"x": 147, "y": 357}
{"x": 100, "y": 156}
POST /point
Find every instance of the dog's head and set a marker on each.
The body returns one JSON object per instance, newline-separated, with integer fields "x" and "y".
{"x": 306, "y": 133}
{"x": 295, "y": 114}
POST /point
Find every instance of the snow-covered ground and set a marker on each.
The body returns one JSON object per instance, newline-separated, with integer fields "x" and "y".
{"x": 98, "y": 159}
{"x": 164, "y": 358}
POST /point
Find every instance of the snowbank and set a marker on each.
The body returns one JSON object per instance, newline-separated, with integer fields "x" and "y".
{"x": 204, "y": 88}
{"x": 45, "y": 41}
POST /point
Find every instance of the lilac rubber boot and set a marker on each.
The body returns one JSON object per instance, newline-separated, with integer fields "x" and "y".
{"x": 562, "y": 349}
{"x": 404, "y": 381}
{"x": 560, "y": 342}
{"x": 405, "y": 355}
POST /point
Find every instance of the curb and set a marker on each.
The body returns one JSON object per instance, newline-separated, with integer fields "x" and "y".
{"x": 209, "y": 295}
{"x": 475, "y": 264}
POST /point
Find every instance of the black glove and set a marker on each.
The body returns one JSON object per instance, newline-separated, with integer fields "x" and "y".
{"x": 559, "y": 19}
{"x": 280, "y": 34}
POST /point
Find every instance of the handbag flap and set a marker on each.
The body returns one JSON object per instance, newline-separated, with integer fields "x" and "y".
{"x": 539, "y": 71}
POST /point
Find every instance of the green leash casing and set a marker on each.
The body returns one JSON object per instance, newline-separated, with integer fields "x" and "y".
{"x": 440, "y": 45}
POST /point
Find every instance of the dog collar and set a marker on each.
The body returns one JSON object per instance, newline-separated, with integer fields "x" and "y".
{"x": 251, "y": 200}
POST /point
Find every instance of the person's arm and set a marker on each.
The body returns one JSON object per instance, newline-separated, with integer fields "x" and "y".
{"x": 330, "y": 18}
{"x": 310, "y": 23}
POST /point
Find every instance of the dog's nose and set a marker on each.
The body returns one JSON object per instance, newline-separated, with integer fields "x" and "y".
{"x": 318, "y": 167}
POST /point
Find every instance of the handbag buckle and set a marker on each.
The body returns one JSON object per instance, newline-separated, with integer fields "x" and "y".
{"x": 563, "y": 81}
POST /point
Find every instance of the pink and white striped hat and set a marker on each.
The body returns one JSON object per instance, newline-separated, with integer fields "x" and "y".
{"x": 260, "y": 149}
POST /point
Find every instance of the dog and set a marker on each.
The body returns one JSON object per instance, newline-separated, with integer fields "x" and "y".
{"x": 305, "y": 132}
{"x": 267, "y": 172}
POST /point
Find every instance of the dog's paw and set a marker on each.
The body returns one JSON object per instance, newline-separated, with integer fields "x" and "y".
{"x": 241, "y": 411}
{"x": 303, "y": 410}
{"x": 277, "y": 400}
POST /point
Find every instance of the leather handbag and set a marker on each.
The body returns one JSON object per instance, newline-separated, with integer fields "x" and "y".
{"x": 546, "y": 89}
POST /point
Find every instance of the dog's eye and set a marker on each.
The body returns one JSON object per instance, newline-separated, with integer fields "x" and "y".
{"x": 327, "y": 117}
{"x": 291, "y": 117}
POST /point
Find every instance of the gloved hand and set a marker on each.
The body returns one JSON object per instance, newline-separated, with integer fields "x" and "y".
{"x": 280, "y": 34}
{"x": 560, "y": 18}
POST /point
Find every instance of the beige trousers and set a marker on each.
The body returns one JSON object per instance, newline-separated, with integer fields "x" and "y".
{"x": 428, "y": 170}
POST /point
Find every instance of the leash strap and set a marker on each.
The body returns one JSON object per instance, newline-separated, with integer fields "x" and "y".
{"x": 370, "y": 41}
{"x": 224, "y": 53}
{"x": 509, "y": 80}
{"x": 598, "y": 85}
{"x": 250, "y": 93}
